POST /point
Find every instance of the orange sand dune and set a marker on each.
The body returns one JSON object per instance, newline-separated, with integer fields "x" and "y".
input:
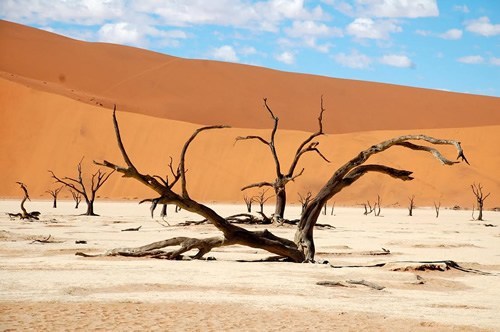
{"x": 42, "y": 131}
{"x": 204, "y": 92}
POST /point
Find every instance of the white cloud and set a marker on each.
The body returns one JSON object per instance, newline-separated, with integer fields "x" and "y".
{"x": 225, "y": 53}
{"x": 354, "y": 60}
{"x": 303, "y": 29}
{"x": 286, "y": 57}
{"x": 262, "y": 15}
{"x": 388, "y": 8}
{"x": 471, "y": 59}
{"x": 495, "y": 61}
{"x": 138, "y": 35}
{"x": 120, "y": 33}
{"x": 366, "y": 28}
{"x": 83, "y": 12}
{"x": 248, "y": 50}
{"x": 482, "y": 26}
{"x": 400, "y": 61}
{"x": 309, "y": 32}
{"x": 452, "y": 34}
{"x": 464, "y": 9}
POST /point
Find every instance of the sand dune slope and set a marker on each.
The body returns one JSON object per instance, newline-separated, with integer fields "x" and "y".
{"x": 42, "y": 131}
{"x": 199, "y": 91}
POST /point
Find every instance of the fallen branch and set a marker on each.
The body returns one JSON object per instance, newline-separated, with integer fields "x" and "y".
{"x": 131, "y": 229}
{"x": 365, "y": 283}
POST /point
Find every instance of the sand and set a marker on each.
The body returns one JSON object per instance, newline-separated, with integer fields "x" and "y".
{"x": 44, "y": 286}
{"x": 56, "y": 94}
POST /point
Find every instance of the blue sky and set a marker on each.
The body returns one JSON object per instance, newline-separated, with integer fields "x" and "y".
{"x": 449, "y": 45}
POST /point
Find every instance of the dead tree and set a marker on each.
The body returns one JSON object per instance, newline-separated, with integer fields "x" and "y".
{"x": 368, "y": 208}
{"x": 282, "y": 179}
{"x": 77, "y": 197}
{"x": 411, "y": 205}
{"x": 333, "y": 209}
{"x": 248, "y": 202}
{"x": 25, "y": 214}
{"x": 163, "y": 212}
{"x": 54, "y": 194}
{"x": 78, "y": 185}
{"x": 377, "y": 208}
{"x": 304, "y": 200}
{"x": 480, "y": 198}
{"x": 261, "y": 199}
{"x": 302, "y": 249}
{"x": 437, "y": 206}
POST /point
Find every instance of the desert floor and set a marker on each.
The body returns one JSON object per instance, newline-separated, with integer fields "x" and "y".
{"x": 44, "y": 286}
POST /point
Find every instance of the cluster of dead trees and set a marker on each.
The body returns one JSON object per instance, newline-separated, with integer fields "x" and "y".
{"x": 78, "y": 188}
{"x": 299, "y": 249}
{"x": 302, "y": 247}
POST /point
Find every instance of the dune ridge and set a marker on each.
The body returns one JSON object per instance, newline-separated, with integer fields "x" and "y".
{"x": 201, "y": 91}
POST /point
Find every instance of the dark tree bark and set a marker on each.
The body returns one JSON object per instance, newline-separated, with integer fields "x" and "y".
{"x": 282, "y": 179}
{"x": 304, "y": 200}
{"x": 248, "y": 202}
{"x": 355, "y": 169}
{"x": 77, "y": 197}
{"x": 78, "y": 185}
{"x": 480, "y": 198}
{"x": 261, "y": 199}
{"x": 411, "y": 205}
{"x": 377, "y": 208}
{"x": 25, "y": 214}
{"x": 437, "y": 206}
{"x": 300, "y": 250}
{"x": 54, "y": 194}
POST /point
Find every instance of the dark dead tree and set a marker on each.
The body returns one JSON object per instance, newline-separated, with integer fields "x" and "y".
{"x": 333, "y": 209}
{"x": 282, "y": 179}
{"x": 368, "y": 208}
{"x": 261, "y": 199}
{"x": 480, "y": 198}
{"x": 355, "y": 169}
{"x": 377, "y": 207}
{"x": 25, "y": 214}
{"x": 411, "y": 205}
{"x": 302, "y": 249}
{"x": 248, "y": 202}
{"x": 54, "y": 194}
{"x": 163, "y": 212}
{"x": 437, "y": 206}
{"x": 77, "y": 197}
{"x": 78, "y": 185}
{"x": 304, "y": 200}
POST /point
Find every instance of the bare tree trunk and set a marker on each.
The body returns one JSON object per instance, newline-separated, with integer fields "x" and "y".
{"x": 163, "y": 212}
{"x": 480, "y": 197}
{"x": 436, "y": 207}
{"x": 279, "y": 211}
{"x": 411, "y": 206}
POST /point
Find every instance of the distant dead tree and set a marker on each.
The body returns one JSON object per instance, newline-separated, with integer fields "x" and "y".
{"x": 77, "y": 197}
{"x": 437, "y": 206}
{"x": 377, "y": 207}
{"x": 25, "y": 214}
{"x": 302, "y": 248}
{"x": 78, "y": 184}
{"x": 279, "y": 184}
{"x": 333, "y": 208}
{"x": 248, "y": 202}
{"x": 411, "y": 205}
{"x": 261, "y": 199}
{"x": 304, "y": 200}
{"x": 54, "y": 194}
{"x": 368, "y": 208}
{"x": 480, "y": 198}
